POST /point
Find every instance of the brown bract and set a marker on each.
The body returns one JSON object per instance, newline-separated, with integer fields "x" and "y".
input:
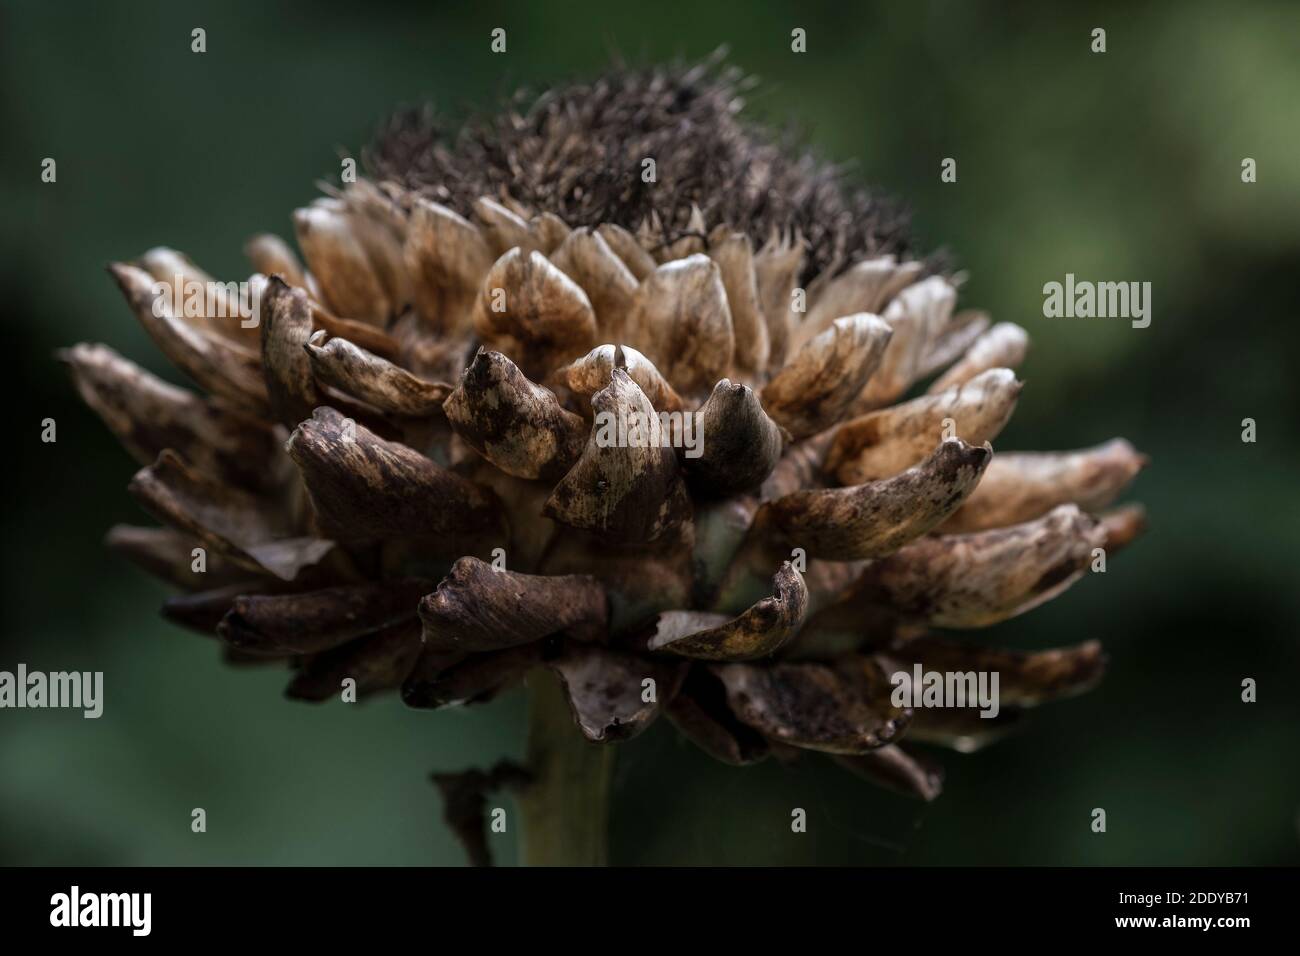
{"x": 629, "y": 493}
{"x": 479, "y": 608}
{"x": 757, "y": 632}
{"x": 518, "y": 426}
{"x": 364, "y": 487}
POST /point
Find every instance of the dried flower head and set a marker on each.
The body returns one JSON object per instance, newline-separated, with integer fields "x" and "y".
{"x": 522, "y": 407}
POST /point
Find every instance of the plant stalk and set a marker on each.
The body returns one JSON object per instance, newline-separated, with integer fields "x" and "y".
{"x": 565, "y": 808}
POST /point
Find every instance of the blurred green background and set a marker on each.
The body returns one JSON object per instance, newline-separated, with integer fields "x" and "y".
{"x": 1122, "y": 166}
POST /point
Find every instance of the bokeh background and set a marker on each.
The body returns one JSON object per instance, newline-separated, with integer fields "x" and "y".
{"x": 1122, "y": 166}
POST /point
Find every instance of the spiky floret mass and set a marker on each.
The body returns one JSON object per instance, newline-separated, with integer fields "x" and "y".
{"x": 722, "y": 432}
{"x": 578, "y": 151}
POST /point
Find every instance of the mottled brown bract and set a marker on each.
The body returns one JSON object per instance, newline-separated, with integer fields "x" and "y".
{"x": 865, "y": 287}
{"x": 225, "y": 369}
{"x": 479, "y": 608}
{"x": 842, "y": 708}
{"x": 1003, "y": 346}
{"x": 513, "y": 423}
{"x": 378, "y": 661}
{"x": 169, "y": 555}
{"x": 234, "y": 522}
{"x": 446, "y": 257}
{"x": 1021, "y": 486}
{"x": 877, "y": 518}
{"x": 530, "y": 309}
{"x": 149, "y": 415}
{"x": 586, "y": 258}
{"x": 271, "y": 255}
{"x": 979, "y": 579}
{"x": 372, "y": 379}
{"x": 364, "y": 487}
{"x": 825, "y": 375}
{"x": 586, "y": 376}
{"x": 738, "y": 445}
{"x": 286, "y": 327}
{"x": 624, "y": 493}
{"x": 337, "y": 259}
{"x": 896, "y": 769}
{"x": 312, "y": 621}
{"x": 1025, "y": 678}
{"x": 758, "y": 632}
{"x": 883, "y": 443}
{"x": 681, "y": 320}
{"x": 607, "y": 692}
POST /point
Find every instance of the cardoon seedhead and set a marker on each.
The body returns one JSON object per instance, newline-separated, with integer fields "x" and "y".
{"x": 617, "y": 386}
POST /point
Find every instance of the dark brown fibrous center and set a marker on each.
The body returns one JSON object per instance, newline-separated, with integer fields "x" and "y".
{"x": 578, "y": 151}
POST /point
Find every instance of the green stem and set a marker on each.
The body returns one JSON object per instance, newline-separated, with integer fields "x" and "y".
{"x": 565, "y": 808}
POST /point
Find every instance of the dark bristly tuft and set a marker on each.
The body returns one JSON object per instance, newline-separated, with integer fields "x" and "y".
{"x": 577, "y": 151}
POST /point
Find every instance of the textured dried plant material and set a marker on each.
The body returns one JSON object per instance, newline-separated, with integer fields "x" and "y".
{"x": 545, "y": 318}
{"x": 734, "y": 254}
{"x": 605, "y": 690}
{"x": 503, "y": 229}
{"x": 286, "y": 327}
{"x": 479, "y": 608}
{"x": 374, "y": 380}
{"x": 629, "y": 495}
{"x": 447, "y": 258}
{"x": 1123, "y": 525}
{"x": 218, "y": 366}
{"x": 738, "y": 444}
{"x": 167, "y": 265}
{"x": 449, "y": 678}
{"x": 1020, "y": 486}
{"x": 624, "y": 245}
{"x": 866, "y": 286}
{"x": 979, "y": 579}
{"x": 364, "y": 487}
{"x": 588, "y": 375}
{"x": 963, "y": 329}
{"x": 918, "y": 314}
{"x": 380, "y": 228}
{"x": 338, "y": 261}
{"x": 1025, "y": 678}
{"x": 586, "y": 258}
{"x": 825, "y": 375}
{"x": 148, "y": 415}
{"x": 680, "y": 319}
{"x": 693, "y": 241}
{"x": 271, "y": 255}
{"x": 312, "y": 621}
{"x": 877, "y": 518}
{"x": 377, "y": 662}
{"x": 1003, "y": 346}
{"x": 640, "y": 580}
{"x": 168, "y": 554}
{"x": 699, "y": 711}
{"x": 841, "y": 708}
{"x": 513, "y": 423}
{"x": 961, "y": 728}
{"x": 247, "y": 530}
{"x": 202, "y": 611}
{"x": 894, "y": 768}
{"x": 777, "y": 266}
{"x": 880, "y": 444}
{"x": 551, "y": 231}
{"x": 758, "y": 632}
